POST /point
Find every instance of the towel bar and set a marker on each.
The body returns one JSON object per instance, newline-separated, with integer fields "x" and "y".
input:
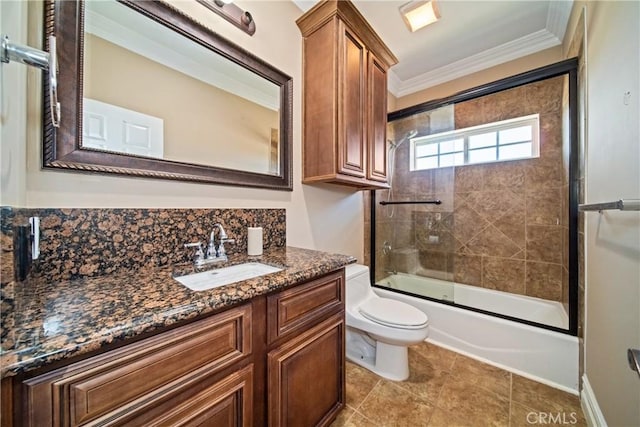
{"x": 622, "y": 204}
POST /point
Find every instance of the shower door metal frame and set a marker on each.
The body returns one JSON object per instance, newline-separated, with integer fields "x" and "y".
{"x": 567, "y": 67}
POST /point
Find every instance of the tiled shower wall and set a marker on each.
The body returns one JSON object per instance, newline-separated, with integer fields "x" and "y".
{"x": 94, "y": 242}
{"x": 501, "y": 226}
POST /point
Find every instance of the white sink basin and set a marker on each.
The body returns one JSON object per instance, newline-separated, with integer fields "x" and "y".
{"x": 224, "y": 276}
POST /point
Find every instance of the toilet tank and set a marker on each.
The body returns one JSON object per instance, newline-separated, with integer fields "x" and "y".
{"x": 358, "y": 283}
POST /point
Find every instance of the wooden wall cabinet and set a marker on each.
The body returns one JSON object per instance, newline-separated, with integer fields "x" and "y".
{"x": 245, "y": 366}
{"x": 345, "y": 67}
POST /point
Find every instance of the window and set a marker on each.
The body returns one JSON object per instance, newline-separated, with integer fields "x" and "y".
{"x": 494, "y": 142}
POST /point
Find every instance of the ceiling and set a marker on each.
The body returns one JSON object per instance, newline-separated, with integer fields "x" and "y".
{"x": 470, "y": 36}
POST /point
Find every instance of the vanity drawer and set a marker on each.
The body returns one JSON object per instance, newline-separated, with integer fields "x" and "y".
{"x": 108, "y": 383}
{"x": 226, "y": 402}
{"x": 298, "y": 308}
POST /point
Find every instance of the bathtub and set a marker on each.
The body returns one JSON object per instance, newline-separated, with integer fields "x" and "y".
{"x": 540, "y": 354}
{"x": 537, "y": 310}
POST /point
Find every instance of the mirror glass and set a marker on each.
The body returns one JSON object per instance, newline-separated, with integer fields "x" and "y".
{"x": 150, "y": 91}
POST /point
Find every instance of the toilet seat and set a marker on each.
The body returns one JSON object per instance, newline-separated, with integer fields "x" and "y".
{"x": 393, "y": 313}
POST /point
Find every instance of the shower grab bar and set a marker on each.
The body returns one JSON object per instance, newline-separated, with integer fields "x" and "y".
{"x": 622, "y": 204}
{"x": 413, "y": 202}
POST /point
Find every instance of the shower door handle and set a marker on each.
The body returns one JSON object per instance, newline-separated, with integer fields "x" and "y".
{"x": 633, "y": 355}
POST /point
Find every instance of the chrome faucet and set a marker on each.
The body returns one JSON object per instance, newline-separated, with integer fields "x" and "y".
{"x": 215, "y": 249}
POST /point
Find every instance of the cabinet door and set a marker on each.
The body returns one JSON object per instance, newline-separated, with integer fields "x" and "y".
{"x": 377, "y": 126}
{"x": 352, "y": 108}
{"x": 306, "y": 377}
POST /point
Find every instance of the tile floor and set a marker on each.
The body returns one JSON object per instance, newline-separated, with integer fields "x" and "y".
{"x": 448, "y": 389}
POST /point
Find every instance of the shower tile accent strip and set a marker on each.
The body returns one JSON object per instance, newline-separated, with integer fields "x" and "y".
{"x": 94, "y": 242}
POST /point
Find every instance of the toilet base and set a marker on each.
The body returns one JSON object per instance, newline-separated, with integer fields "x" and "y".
{"x": 387, "y": 360}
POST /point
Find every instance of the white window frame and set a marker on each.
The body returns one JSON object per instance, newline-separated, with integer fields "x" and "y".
{"x": 533, "y": 120}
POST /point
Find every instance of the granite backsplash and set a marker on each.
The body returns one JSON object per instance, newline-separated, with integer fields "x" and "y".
{"x": 88, "y": 242}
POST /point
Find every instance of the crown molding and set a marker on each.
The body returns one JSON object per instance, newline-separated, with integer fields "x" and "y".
{"x": 558, "y": 17}
{"x": 531, "y": 43}
{"x": 393, "y": 82}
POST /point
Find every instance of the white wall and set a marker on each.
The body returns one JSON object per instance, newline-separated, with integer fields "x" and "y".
{"x": 613, "y": 238}
{"x": 327, "y": 218}
{"x": 13, "y": 81}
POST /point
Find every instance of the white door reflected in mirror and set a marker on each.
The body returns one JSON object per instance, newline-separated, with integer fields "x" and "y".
{"x": 112, "y": 128}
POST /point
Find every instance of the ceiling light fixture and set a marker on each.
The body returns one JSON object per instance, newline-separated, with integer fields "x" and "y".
{"x": 232, "y": 13}
{"x": 419, "y": 14}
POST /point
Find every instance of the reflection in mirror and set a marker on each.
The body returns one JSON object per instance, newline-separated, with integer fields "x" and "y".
{"x": 150, "y": 91}
{"x": 146, "y": 91}
{"x": 502, "y": 165}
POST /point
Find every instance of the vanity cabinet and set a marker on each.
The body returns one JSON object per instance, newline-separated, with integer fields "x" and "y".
{"x": 276, "y": 360}
{"x": 345, "y": 67}
{"x": 174, "y": 378}
{"x": 306, "y": 354}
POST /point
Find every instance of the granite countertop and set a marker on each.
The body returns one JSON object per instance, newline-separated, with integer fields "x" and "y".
{"x": 54, "y": 321}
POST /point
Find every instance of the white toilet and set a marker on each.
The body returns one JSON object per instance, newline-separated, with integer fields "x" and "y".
{"x": 379, "y": 330}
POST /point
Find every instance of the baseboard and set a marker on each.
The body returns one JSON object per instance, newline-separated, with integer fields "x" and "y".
{"x": 590, "y": 407}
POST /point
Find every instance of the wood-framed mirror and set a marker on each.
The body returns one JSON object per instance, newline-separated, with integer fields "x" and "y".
{"x": 145, "y": 91}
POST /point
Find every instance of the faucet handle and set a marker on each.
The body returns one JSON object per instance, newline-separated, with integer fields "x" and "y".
{"x": 221, "y": 250}
{"x": 199, "y": 254}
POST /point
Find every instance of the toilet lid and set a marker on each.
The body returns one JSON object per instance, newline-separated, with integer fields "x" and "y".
{"x": 393, "y": 313}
